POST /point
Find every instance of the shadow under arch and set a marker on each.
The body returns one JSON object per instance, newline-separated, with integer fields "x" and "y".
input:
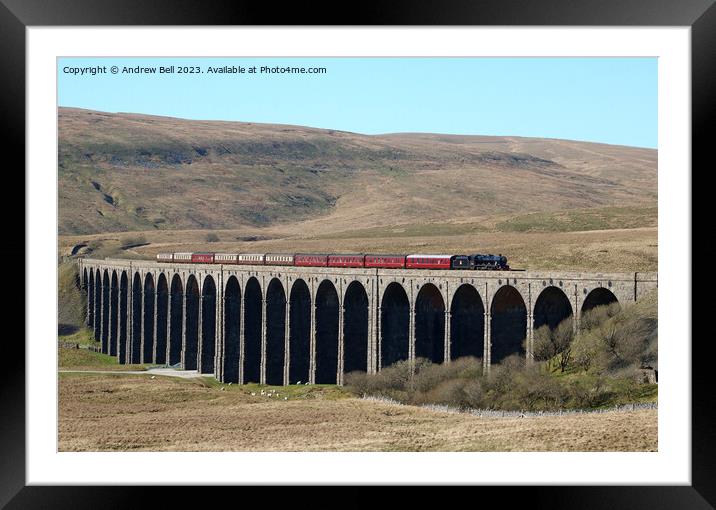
{"x": 299, "y": 333}
{"x": 148, "y": 318}
{"x": 326, "y": 333}
{"x": 191, "y": 321}
{"x": 232, "y": 328}
{"x": 598, "y": 297}
{"x": 104, "y": 332}
{"x": 135, "y": 348}
{"x": 430, "y": 324}
{"x": 394, "y": 324}
{"x": 160, "y": 355}
{"x": 97, "y": 325}
{"x": 176, "y": 320}
{"x": 90, "y": 300}
{"x": 508, "y": 323}
{"x": 123, "y": 316}
{"x": 551, "y": 308}
{"x": 275, "y": 331}
{"x": 252, "y": 331}
{"x": 114, "y": 314}
{"x": 355, "y": 329}
{"x": 208, "y": 325}
{"x": 467, "y": 323}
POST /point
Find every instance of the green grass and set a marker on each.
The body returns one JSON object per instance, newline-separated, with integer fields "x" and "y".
{"x": 82, "y": 336}
{"x": 90, "y": 360}
{"x": 71, "y": 302}
{"x": 292, "y": 391}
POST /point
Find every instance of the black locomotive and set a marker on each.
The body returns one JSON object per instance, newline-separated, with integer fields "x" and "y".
{"x": 480, "y": 261}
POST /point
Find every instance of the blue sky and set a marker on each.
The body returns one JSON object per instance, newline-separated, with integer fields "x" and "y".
{"x": 609, "y": 100}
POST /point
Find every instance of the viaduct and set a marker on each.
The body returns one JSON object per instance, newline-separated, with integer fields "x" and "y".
{"x": 283, "y": 325}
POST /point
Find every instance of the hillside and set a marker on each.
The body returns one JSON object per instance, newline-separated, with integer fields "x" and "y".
{"x": 129, "y": 172}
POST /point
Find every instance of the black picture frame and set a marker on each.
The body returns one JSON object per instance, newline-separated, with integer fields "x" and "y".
{"x": 700, "y": 15}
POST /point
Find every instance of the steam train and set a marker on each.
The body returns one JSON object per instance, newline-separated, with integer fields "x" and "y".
{"x": 476, "y": 261}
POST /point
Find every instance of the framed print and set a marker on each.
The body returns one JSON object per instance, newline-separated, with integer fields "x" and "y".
{"x": 424, "y": 248}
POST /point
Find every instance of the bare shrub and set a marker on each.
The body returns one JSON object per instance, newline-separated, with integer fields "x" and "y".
{"x": 588, "y": 392}
{"x": 611, "y": 354}
{"x": 555, "y": 343}
{"x": 586, "y": 350}
{"x": 474, "y": 393}
{"x": 211, "y": 238}
{"x": 133, "y": 240}
{"x": 429, "y": 376}
{"x": 598, "y": 315}
{"x": 357, "y": 382}
{"x": 539, "y": 391}
{"x": 449, "y": 392}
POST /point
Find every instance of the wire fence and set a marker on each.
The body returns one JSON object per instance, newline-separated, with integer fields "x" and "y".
{"x": 496, "y": 413}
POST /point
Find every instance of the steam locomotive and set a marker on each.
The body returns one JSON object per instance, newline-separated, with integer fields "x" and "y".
{"x": 416, "y": 261}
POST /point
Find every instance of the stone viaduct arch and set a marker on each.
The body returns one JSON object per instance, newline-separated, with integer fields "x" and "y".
{"x": 275, "y": 332}
{"x": 300, "y": 332}
{"x": 232, "y": 328}
{"x": 161, "y": 323}
{"x": 192, "y": 300}
{"x": 97, "y": 304}
{"x": 282, "y": 325}
{"x": 395, "y": 321}
{"x": 135, "y": 350}
{"x": 176, "y": 320}
{"x": 598, "y": 297}
{"x": 148, "y": 300}
{"x": 207, "y": 347}
{"x": 114, "y": 316}
{"x": 123, "y": 317}
{"x": 327, "y": 326}
{"x": 508, "y": 323}
{"x": 467, "y": 323}
{"x": 254, "y": 317}
{"x": 430, "y": 324}
{"x": 355, "y": 328}
{"x": 551, "y": 308}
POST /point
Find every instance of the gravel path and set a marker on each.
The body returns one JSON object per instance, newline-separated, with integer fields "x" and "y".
{"x": 171, "y": 372}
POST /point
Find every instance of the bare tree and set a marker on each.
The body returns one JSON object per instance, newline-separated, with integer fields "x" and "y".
{"x": 550, "y": 343}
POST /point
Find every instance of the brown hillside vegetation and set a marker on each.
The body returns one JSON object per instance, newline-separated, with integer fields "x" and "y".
{"x": 128, "y": 172}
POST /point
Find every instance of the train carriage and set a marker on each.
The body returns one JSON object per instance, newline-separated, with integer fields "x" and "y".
{"x": 183, "y": 258}
{"x": 310, "y": 260}
{"x": 385, "y": 261}
{"x": 256, "y": 259}
{"x": 279, "y": 259}
{"x": 346, "y": 261}
{"x": 226, "y": 258}
{"x": 202, "y": 258}
{"x": 419, "y": 261}
{"x": 165, "y": 257}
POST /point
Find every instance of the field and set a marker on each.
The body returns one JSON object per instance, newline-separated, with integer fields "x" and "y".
{"x": 610, "y": 239}
{"x": 138, "y": 413}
